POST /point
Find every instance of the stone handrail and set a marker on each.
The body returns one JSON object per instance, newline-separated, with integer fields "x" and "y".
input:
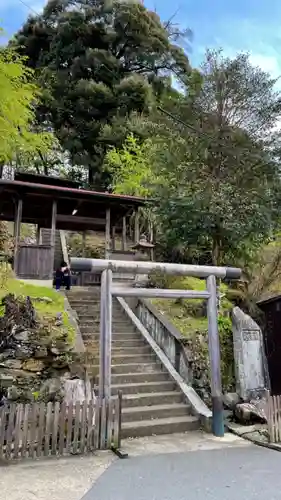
{"x": 166, "y": 336}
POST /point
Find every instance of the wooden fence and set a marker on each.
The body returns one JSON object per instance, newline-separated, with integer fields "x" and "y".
{"x": 56, "y": 429}
{"x": 274, "y": 418}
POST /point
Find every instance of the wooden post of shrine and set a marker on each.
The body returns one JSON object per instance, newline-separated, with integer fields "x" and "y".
{"x": 53, "y": 237}
{"x": 124, "y": 234}
{"x": 17, "y": 226}
{"x": 107, "y": 233}
{"x": 137, "y": 227}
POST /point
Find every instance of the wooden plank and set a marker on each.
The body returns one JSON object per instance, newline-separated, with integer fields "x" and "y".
{"x": 41, "y": 428}
{"x": 109, "y": 423}
{"x": 83, "y": 426}
{"x": 55, "y": 429}
{"x": 3, "y": 412}
{"x": 107, "y": 334}
{"x": 53, "y": 236}
{"x": 107, "y": 233}
{"x": 102, "y": 333}
{"x": 18, "y": 427}
{"x": 124, "y": 234}
{"x": 76, "y": 427}
{"x": 62, "y": 427}
{"x": 25, "y": 430}
{"x": 97, "y": 424}
{"x": 103, "y": 424}
{"x": 18, "y": 218}
{"x": 33, "y": 430}
{"x": 10, "y": 430}
{"x": 49, "y": 419}
{"x": 69, "y": 427}
{"x": 274, "y": 419}
{"x": 90, "y": 426}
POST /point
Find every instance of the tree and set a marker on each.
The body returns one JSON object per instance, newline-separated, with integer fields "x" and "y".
{"x": 98, "y": 63}
{"x": 222, "y": 190}
{"x": 18, "y": 138}
{"x": 219, "y": 189}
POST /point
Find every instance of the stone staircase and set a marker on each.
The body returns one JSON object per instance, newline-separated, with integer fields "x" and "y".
{"x": 152, "y": 404}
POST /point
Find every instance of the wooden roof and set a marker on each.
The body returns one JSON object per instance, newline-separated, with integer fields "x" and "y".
{"x": 77, "y": 209}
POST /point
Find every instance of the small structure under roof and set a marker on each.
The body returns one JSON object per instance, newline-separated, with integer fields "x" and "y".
{"x": 60, "y": 204}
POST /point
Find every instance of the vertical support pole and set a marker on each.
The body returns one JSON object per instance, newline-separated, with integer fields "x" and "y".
{"x": 107, "y": 233}
{"x": 53, "y": 237}
{"x": 105, "y": 335}
{"x": 38, "y": 234}
{"x": 18, "y": 217}
{"x": 113, "y": 238}
{"x": 151, "y": 241}
{"x": 102, "y": 333}
{"x": 124, "y": 234}
{"x": 214, "y": 353}
{"x": 137, "y": 226}
{"x": 108, "y": 335}
{"x": 84, "y": 243}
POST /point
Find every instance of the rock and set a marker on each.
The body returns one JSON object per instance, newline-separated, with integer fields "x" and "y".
{"x": 41, "y": 352}
{"x": 51, "y": 389}
{"x": 23, "y": 352}
{"x": 33, "y": 365}
{"x": 231, "y": 399}
{"x": 14, "y": 364}
{"x": 59, "y": 319}
{"x": 55, "y": 351}
{"x": 253, "y": 411}
{"x": 6, "y": 380}
{"x": 22, "y": 336}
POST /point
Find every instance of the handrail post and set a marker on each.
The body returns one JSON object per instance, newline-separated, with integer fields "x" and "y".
{"x": 214, "y": 353}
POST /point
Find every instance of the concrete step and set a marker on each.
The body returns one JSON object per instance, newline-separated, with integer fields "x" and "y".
{"x": 139, "y": 378}
{"x": 153, "y": 412}
{"x": 143, "y": 387}
{"x": 151, "y": 398}
{"x": 94, "y": 329}
{"x": 132, "y": 358}
{"x": 124, "y": 351}
{"x": 136, "y": 343}
{"x": 159, "y": 426}
{"x": 91, "y": 321}
{"x": 133, "y": 368}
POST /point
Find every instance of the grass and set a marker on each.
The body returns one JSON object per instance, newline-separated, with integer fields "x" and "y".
{"x": 45, "y": 308}
{"x": 182, "y": 313}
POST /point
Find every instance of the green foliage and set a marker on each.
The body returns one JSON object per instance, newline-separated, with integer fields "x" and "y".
{"x": 19, "y": 95}
{"x": 47, "y": 309}
{"x": 98, "y": 63}
{"x": 131, "y": 167}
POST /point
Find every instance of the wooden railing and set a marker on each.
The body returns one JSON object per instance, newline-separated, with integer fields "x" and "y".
{"x": 166, "y": 336}
{"x": 56, "y": 429}
{"x": 34, "y": 262}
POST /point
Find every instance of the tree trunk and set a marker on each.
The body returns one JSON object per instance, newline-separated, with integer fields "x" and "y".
{"x": 216, "y": 251}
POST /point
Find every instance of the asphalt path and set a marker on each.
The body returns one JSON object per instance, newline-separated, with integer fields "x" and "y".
{"x": 238, "y": 473}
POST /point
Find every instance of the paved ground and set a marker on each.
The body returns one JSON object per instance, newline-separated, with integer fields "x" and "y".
{"x": 178, "y": 463}
{"x": 228, "y": 473}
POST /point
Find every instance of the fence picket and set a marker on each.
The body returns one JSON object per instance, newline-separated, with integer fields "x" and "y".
{"x": 83, "y": 426}
{"x": 40, "y": 429}
{"x": 77, "y": 427}
{"x": 90, "y": 426}
{"x": 97, "y": 424}
{"x": 62, "y": 428}
{"x": 10, "y": 430}
{"x": 110, "y": 419}
{"x": 33, "y": 429}
{"x": 25, "y": 430}
{"x": 103, "y": 427}
{"x": 19, "y": 412}
{"x": 55, "y": 428}
{"x": 48, "y": 429}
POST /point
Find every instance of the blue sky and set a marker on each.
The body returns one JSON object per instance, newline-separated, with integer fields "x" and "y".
{"x": 234, "y": 25}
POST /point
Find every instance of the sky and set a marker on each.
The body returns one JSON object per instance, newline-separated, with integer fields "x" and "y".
{"x": 252, "y": 26}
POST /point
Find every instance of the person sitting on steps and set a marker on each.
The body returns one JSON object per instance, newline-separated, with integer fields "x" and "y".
{"x": 63, "y": 277}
